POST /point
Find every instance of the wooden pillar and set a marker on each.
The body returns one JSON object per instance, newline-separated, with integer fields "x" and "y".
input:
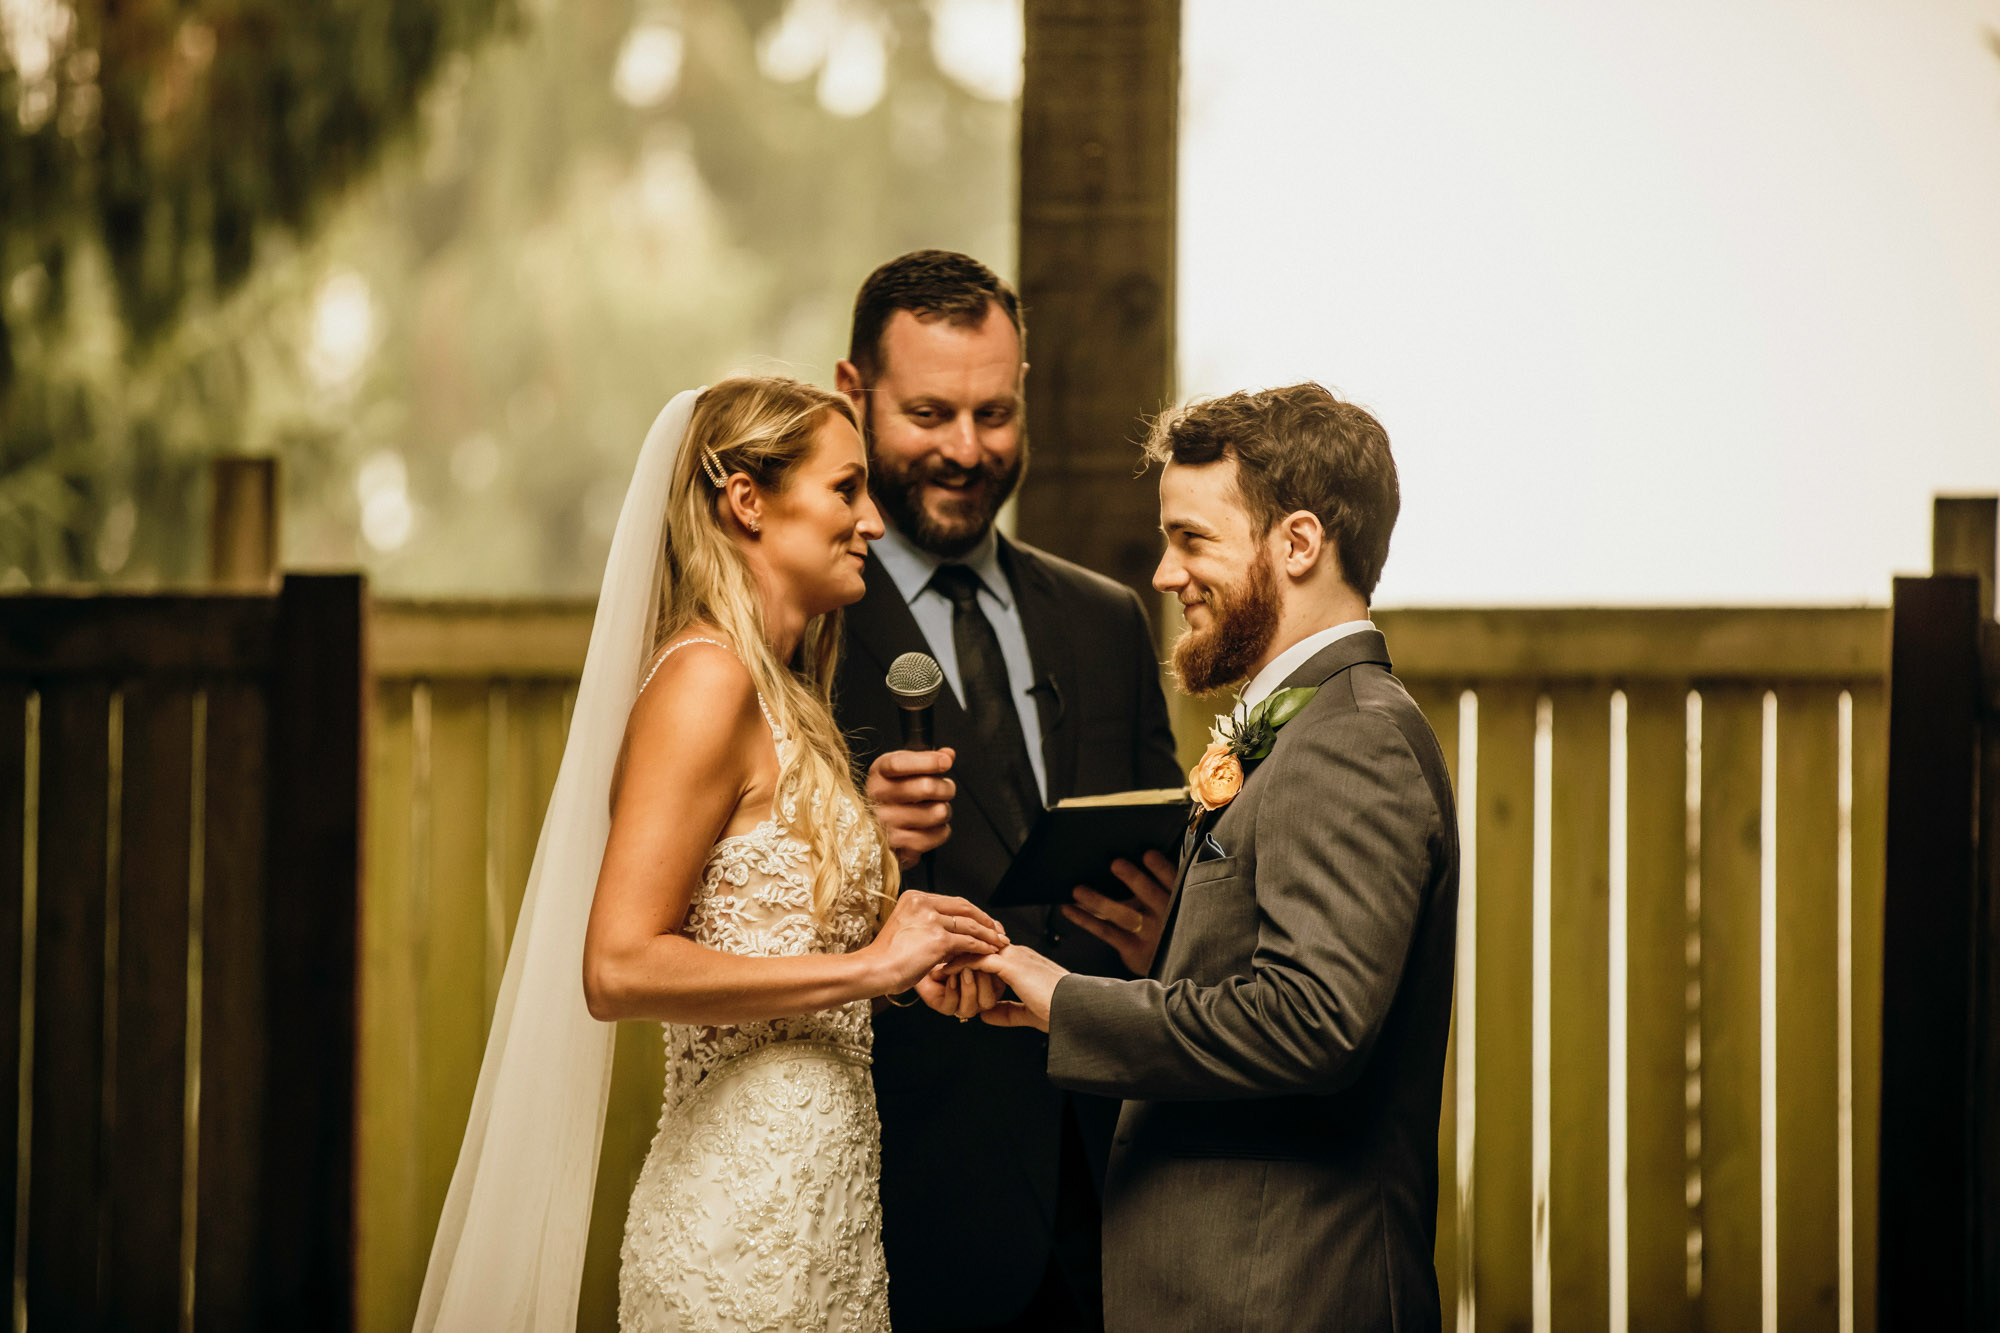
{"x": 243, "y": 527}
{"x": 311, "y": 942}
{"x": 1939, "y": 1231}
{"x": 1965, "y": 539}
{"x": 1928, "y": 947}
{"x": 1099, "y": 130}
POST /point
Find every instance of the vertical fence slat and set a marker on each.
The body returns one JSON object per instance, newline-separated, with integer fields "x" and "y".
{"x": 233, "y": 1032}
{"x": 535, "y": 736}
{"x": 1808, "y": 1212}
{"x": 65, "y": 1179}
{"x": 391, "y": 1247}
{"x": 1731, "y": 811}
{"x": 1656, "y": 1065}
{"x": 13, "y": 831}
{"x": 152, "y": 1005}
{"x": 1440, "y": 706}
{"x": 1579, "y": 1083}
{"x": 1502, "y": 1199}
{"x": 1871, "y": 805}
{"x": 452, "y": 967}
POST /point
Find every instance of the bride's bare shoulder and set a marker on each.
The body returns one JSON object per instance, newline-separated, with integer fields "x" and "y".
{"x": 694, "y": 679}
{"x": 697, "y": 713}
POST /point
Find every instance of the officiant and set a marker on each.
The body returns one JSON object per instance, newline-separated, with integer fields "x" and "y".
{"x": 1051, "y": 690}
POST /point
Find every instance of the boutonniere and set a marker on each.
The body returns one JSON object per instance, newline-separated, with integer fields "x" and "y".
{"x": 1242, "y": 736}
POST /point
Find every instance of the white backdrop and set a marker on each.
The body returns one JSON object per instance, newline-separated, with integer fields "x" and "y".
{"x": 1693, "y": 302}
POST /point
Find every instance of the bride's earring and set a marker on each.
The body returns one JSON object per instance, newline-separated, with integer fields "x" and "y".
{"x": 755, "y": 526}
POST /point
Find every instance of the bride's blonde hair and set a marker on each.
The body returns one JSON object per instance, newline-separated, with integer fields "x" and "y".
{"x": 765, "y": 426}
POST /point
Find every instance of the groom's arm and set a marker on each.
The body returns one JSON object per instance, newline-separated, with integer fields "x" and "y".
{"x": 1344, "y": 836}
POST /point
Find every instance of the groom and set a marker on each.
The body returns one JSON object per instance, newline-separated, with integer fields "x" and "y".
{"x": 1275, "y": 1165}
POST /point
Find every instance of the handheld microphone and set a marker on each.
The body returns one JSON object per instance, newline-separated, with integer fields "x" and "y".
{"x": 915, "y": 679}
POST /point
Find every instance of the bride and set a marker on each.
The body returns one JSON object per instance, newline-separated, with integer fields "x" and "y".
{"x": 743, "y": 897}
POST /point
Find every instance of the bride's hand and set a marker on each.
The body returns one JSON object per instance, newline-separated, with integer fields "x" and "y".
{"x": 923, "y": 931}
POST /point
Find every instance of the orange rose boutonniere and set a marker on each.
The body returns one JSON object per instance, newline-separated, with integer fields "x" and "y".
{"x": 1243, "y": 736}
{"x": 1216, "y": 779}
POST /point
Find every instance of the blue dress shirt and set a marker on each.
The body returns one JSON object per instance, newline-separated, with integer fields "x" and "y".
{"x": 911, "y": 567}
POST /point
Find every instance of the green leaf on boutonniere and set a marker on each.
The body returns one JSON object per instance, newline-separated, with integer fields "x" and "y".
{"x": 1251, "y": 734}
{"x": 1283, "y": 706}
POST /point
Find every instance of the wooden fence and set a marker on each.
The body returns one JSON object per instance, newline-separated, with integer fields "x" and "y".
{"x": 1660, "y": 1098}
{"x": 1659, "y": 1106}
{"x": 179, "y": 782}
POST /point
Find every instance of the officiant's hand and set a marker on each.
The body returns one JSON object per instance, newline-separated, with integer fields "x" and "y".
{"x": 1133, "y": 926}
{"x": 912, "y": 798}
{"x": 1033, "y": 979}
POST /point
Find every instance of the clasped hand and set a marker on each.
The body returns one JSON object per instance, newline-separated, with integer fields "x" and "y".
{"x": 975, "y": 985}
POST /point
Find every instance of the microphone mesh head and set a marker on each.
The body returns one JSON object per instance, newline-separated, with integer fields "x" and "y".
{"x": 915, "y": 679}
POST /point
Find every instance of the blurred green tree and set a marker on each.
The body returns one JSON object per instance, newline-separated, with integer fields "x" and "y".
{"x": 148, "y": 152}
{"x": 622, "y": 198}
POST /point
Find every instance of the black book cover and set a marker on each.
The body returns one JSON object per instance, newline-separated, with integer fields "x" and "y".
{"x": 1075, "y": 841}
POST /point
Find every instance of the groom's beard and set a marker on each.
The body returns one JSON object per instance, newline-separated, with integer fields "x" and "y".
{"x": 1242, "y": 620}
{"x": 959, "y": 523}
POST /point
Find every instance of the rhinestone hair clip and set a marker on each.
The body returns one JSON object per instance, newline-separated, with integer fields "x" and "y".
{"x": 712, "y": 466}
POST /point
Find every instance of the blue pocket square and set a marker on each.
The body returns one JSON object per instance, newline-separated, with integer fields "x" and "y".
{"x": 1209, "y": 850}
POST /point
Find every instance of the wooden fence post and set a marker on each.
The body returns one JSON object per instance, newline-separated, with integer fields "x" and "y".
{"x": 1099, "y": 130}
{"x": 243, "y": 527}
{"x": 1939, "y": 1232}
{"x": 311, "y": 940}
{"x": 1965, "y": 535}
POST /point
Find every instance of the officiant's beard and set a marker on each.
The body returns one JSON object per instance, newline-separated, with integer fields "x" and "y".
{"x": 960, "y": 523}
{"x": 1243, "y": 620}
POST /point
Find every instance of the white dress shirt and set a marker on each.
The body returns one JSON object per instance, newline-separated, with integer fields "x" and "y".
{"x": 910, "y": 568}
{"x": 1265, "y": 682}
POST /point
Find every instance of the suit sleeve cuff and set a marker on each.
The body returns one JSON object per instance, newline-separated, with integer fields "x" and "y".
{"x": 1082, "y": 1022}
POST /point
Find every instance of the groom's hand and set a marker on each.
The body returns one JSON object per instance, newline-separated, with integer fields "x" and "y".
{"x": 957, "y": 992}
{"x": 912, "y": 799}
{"x": 1131, "y": 927}
{"x": 1033, "y": 979}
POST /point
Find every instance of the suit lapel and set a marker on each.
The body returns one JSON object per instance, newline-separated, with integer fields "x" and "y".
{"x": 1322, "y": 666}
{"x": 881, "y": 627}
{"x": 1055, "y": 686}
{"x": 1198, "y": 828}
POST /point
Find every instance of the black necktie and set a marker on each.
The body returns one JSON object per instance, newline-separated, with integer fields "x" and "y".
{"x": 989, "y": 700}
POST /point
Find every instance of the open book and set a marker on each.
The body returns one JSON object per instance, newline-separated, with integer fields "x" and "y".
{"x": 1075, "y": 841}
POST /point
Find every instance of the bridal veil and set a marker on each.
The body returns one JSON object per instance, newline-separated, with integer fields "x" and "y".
{"x": 509, "y": 1251}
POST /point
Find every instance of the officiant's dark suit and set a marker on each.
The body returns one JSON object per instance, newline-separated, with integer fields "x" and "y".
{"x": 989, "y": 1172}
{"x": 1276, "y": 1164}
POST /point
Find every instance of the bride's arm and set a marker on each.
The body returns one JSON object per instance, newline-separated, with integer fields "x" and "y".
{"x": 694, "y": 747}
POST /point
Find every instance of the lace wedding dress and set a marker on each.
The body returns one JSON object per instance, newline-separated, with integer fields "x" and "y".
{"x": 757, "y": 1206}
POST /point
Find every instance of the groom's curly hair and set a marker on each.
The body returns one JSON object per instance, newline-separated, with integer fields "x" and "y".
{"x": 1296, "y": 448}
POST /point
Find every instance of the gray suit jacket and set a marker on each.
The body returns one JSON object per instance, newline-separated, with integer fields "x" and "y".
{"x": 1275, "y": 1165}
